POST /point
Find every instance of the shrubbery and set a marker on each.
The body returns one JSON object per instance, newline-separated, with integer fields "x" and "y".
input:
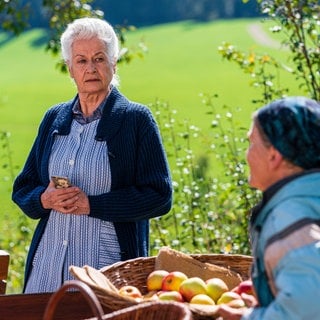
{"x": 211, "y": 202}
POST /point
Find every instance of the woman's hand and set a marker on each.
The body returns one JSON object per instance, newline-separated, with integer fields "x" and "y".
{"x": 227, "y": 313}
{"x": 65, "y": 200}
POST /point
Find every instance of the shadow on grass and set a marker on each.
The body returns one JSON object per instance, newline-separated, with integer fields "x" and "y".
{"x": 40, "y": 41}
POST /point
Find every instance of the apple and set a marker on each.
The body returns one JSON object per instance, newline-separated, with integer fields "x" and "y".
{"x": 172, "y": 281}
{"x": 191, "y": 287}
{"x": 170, "y": 296}
{"x": 236, "y": 303}
{"x": 155, "y": 278}
{"x": 130, "y": 291}
{"x": 151, "y": 295}
{"x": 245, "y": 286}
{"x": 215, "y": 288}
{"x": 228, "y": 296}
{"x": 202, "y": 299}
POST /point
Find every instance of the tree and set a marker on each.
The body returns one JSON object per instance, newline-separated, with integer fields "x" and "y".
{"x": 299, "y": 20}
{"x": 14, "y": 18}
{"x": 13, "y": 15}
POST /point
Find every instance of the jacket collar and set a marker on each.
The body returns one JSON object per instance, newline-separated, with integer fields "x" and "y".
{"x": 113, "y": 113}
{"x": 257, "y": 218}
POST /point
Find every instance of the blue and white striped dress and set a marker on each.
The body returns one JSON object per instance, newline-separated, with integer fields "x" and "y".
{"x": 75, "y": 239}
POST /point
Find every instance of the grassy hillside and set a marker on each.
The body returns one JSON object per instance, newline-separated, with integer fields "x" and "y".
{"x": 182, "y": 62}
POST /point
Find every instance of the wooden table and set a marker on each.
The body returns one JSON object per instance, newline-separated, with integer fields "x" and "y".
{"x": 4, "y": 266}
{"x": 72, "y": 306}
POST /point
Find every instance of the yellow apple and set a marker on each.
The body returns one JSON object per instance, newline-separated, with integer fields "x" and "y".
{"x": 202, "y": 299}
{"x": 191, "y": 287}
{"x": 170, "y": 296}
{"x": 155, "y": 278}
{"x": 228, "y": 296}
{"x": 172, "y": 281}
{"x": 215, "y": 288}
{"x": 130, "y": 291}
{"x": 236, "y": 303}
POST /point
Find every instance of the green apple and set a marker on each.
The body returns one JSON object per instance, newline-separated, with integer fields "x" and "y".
{"x": 202, "y": 299}
{"x": 191, "y": 287}
{"x": 170, "y": 296}
{"x": 155, "y": 278}
{"x": 228, "y": 296}
{"x": 172, "y": 281}
{"x": 215, "y": 288}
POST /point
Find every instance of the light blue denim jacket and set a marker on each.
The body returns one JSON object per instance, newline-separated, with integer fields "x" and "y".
{"x": 286, "y": 248}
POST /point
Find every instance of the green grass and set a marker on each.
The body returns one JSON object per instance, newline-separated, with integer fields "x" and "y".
{"x": 181, "y": 63}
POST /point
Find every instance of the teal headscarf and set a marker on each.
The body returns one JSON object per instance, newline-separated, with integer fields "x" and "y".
{"x": 293, "y": 127}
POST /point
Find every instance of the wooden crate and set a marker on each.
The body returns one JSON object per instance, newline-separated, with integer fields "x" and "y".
{"x": 4, "y": 267}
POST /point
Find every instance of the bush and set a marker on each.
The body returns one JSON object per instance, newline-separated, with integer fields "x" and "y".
{"x": 210, "y": 208}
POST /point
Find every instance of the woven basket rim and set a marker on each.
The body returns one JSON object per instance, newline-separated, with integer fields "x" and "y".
{"x": 246, "y": 258}
{"x": 178, "y": 311}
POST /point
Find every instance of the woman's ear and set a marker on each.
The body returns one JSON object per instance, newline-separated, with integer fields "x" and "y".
{"x": 69, "y": 69}
{"x": 275, "y": 158}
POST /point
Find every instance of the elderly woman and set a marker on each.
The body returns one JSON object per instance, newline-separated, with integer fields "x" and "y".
{"x": 110, "y": 150}
{"x": 284, "y": 161}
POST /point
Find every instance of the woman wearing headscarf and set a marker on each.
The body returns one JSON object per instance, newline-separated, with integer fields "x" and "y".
{"x": 110, "y": 150}
{"x": 284, "y": 161}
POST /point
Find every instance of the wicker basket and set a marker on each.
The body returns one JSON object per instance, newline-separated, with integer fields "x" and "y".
{"x": 135, "y": 272}
{"x": 142, "y": 311}
{"x": 151, "y": 310}
{"x": 86, "y": 291}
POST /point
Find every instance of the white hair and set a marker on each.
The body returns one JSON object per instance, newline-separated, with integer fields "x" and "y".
{"x": 88, "y": 28}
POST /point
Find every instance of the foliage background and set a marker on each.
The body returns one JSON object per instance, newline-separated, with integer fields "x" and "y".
{"x": 204, "y": 138}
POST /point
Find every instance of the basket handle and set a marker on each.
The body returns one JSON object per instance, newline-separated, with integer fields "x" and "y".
{"x": 84, "y": 289}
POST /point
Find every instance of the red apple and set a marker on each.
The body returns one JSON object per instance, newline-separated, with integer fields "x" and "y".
{"x": 191, "y": 287}
{"x": 172, "y": 281}
{"x": 155, "y": 278}
{"x": 245, "y": 286}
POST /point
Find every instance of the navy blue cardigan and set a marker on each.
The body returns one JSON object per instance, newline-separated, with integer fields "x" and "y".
{"x": 141, "y": 184}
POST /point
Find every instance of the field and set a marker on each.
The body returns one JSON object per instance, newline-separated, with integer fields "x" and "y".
{"x": 182, "y": 62}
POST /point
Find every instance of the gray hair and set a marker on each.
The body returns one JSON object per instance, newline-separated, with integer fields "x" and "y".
{"x": 88, "y": 28}
{"x": 292, "y": 125}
